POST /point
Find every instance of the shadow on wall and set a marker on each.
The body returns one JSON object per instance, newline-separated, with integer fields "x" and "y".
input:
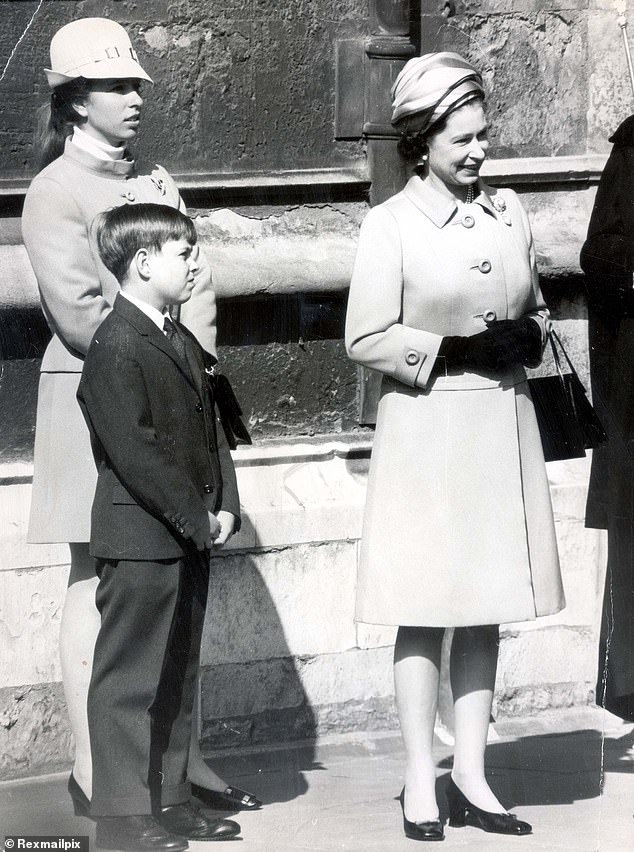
{"x": 251, "y": 690}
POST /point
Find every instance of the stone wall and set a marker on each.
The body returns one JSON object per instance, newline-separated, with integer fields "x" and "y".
{"x": 251, "y": 100}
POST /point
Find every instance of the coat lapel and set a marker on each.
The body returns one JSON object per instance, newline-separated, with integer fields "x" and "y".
{"x": 155, "y": 336}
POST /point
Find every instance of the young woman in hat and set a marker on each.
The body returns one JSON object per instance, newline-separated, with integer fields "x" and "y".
{"x": 94, "y": 115}
{"x": 458, "y": 529}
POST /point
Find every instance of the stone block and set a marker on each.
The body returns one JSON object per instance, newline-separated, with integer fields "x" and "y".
{"x": 559, "y": 221}
{"x": 609, "y": 95}
{"x": 375, "y": 635}
{"x": 277, "y": 700}
{"x": 292, "y": 389}
{"x": 292, "y": 601}
{"x": 30, "y": 615}
{"x": 533, "y": 699}
{"x": 355, "y": 675}
{"x": 295, "y": 500}
{"x": 552, "y": 655}
{"x": 34, "y": 730}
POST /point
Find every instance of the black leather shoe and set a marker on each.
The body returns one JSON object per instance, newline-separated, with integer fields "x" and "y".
{"x": 231, "y": 799}
{"x": 81, "y": 802}
{"x": 186, "y": 821}
{"x": 429, "y": 830}
{"x": 136, "y": 834}
{"x": 462, "y": 812}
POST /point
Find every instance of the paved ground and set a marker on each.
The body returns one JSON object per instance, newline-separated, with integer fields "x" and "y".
{"x": 340, "y": 794}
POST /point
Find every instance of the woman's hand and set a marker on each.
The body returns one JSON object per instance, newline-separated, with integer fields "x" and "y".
{"x": 500, "y": 345}
{"x": 521, "y": 339}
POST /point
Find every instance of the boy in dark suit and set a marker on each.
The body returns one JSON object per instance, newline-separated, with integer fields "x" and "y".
{"x": 166, "y": 495}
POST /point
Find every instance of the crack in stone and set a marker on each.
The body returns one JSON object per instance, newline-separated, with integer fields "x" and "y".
{"x": 19, "y": 41}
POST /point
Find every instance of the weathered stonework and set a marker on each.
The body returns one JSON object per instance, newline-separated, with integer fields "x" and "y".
{"x": 238, "y": 86}
{"x": 243, "y": 110}
{"x": 34, "y": 730}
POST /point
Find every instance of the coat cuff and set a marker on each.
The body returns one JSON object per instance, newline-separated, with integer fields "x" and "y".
{"x": 415, "y": 365}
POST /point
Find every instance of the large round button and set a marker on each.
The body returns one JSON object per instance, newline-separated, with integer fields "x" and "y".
{"x": 468, "y": 221}
{"x": 484, "y": 266}
{"x": 489, "y": 316}
{"x": 412, "y": 357}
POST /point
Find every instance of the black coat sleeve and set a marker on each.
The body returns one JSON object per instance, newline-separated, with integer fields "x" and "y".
{"x": 607, "y": 256}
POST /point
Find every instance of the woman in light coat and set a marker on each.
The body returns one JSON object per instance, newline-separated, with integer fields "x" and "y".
{"x": 458, "y": 528}
{"x": 94, "y": 115}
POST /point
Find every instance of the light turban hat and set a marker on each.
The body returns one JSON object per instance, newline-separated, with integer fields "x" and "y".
{"x": 435, "y": 83}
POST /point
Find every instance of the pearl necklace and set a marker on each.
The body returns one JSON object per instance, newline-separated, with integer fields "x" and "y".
{"x": 470, "y": 195}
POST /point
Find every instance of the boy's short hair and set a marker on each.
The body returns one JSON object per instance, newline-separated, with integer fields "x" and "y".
{"x": 122, "y": 231}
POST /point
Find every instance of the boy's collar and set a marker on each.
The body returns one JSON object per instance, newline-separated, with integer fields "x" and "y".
{"x": 152, "y": 313}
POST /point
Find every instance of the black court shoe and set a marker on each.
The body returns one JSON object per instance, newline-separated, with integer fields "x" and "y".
{"x": 231, "y": 799}
{"x": 429, "y": 830}
{"x": 81, "y": 802}
{"x": 462, "y": 812}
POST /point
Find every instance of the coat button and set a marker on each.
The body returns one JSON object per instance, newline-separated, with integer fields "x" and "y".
{"x": 199, "y": 406}
{"x": 484, "y": 266}
{"x": 412, "y": 357}
{"x": 468, "y": 221}
{"x": 489, "y": 316}
{"x": 208, "y": 489}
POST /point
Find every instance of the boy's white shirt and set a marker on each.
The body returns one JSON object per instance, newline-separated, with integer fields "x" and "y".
{"x": 150, "y": 311}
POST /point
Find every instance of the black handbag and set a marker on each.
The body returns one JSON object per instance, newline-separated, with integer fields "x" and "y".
{"x": 224, "y": 398}
{"x": 568, "y": 424}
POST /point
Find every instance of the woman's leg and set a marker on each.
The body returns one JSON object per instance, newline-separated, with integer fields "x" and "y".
{"x": 474, "y": 654}
{"x": 416, "y": 674}
{"x": 197, "y": 770}
{"x": 78, "y": 634}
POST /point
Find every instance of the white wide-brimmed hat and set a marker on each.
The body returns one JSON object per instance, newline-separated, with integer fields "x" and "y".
{"x": 94, "y": 48}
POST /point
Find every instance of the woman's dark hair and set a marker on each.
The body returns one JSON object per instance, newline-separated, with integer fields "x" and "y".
{"x": 55, "y": 120}
{"x": 122, "y": 231}
{"x": 412, "y": 146}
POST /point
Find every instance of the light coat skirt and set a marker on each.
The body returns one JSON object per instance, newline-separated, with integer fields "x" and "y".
{"x": 65, "y": 475}
{"x": 458, "y": 528}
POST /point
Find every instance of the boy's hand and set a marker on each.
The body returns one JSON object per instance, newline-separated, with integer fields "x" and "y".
{"x": 204, "y": 538}
{"x": 215, "y": 527}
{"x": 226, "y": 522}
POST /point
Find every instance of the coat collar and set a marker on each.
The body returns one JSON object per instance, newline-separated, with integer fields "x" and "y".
{"x": 113, "y": 169}
{"x": 438, "y": 207}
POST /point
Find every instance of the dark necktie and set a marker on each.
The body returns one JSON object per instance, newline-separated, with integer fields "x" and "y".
{"x": 176, "y": 339}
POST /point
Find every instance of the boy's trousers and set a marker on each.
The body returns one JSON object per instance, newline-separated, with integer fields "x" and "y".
{"x": 143, "y": 681}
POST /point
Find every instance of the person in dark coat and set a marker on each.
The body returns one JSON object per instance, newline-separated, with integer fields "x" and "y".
{"x": 166, "y": 495}
{"x": 607, "y": 258}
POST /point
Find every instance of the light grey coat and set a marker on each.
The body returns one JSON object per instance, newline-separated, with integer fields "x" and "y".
{"x": 77, "y": 293}
{"x": 458, "y": 527}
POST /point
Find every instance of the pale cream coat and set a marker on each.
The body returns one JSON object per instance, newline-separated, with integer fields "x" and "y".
{"x": 77, "y": 293}
{"x": 458, "y": 527}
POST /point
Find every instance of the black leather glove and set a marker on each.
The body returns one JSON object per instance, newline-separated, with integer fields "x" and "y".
{"x": 521, "y": 340}
{"x": 501, "y": 344}
{"x": 478, "y": 351}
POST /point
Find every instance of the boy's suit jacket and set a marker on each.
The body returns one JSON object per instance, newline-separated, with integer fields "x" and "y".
{"x": 162, "y": 457}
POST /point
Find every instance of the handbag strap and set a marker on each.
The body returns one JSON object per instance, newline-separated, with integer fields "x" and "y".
{"x": 554, "y": 336}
